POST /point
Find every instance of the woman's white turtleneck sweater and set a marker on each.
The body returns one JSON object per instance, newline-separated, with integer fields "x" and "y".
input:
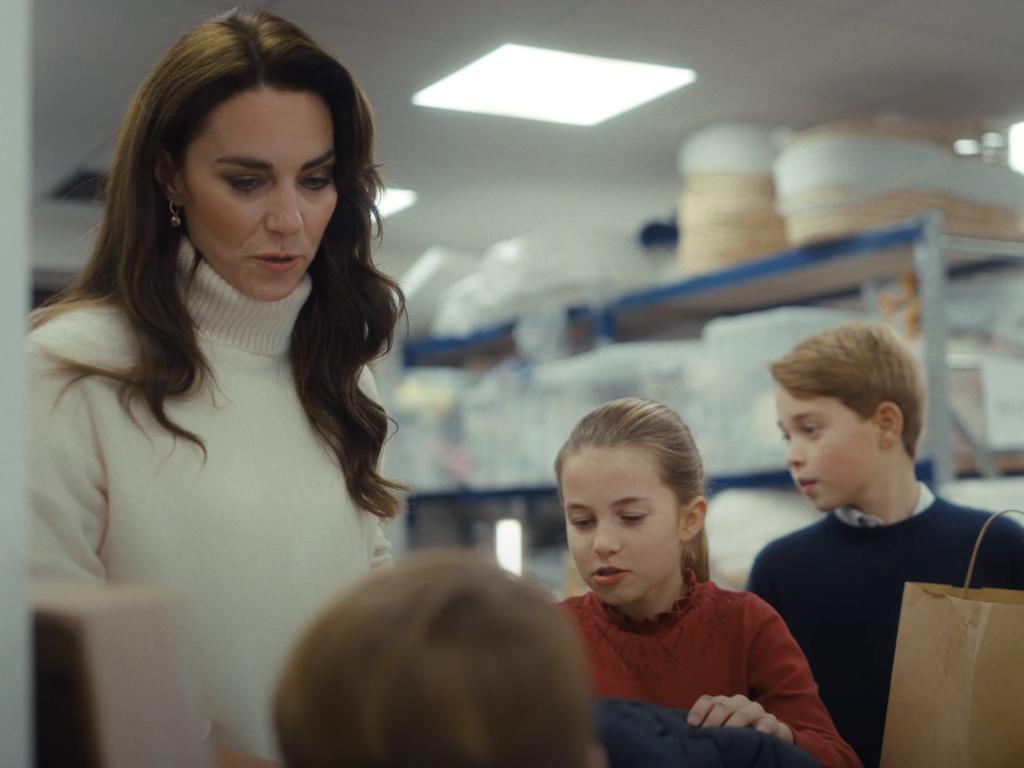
{"x": 250, "y": 541}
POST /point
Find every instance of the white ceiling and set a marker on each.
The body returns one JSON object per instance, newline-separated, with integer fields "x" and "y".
{"x": 482, "y": 179}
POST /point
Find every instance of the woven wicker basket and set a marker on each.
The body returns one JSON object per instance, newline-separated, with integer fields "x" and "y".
{"x": 727, "y": 219}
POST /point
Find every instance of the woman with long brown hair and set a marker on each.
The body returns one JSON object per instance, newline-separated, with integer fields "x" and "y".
{"x": 203, "y": 417}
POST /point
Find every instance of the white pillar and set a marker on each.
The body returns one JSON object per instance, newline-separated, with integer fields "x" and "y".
{"x": 15, "y": 157}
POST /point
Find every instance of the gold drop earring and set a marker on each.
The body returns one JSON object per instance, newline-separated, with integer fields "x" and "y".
{"x": 175, "y": 215}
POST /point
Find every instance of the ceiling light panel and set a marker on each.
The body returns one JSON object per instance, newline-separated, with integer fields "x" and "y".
{"x": 553, "y": 86}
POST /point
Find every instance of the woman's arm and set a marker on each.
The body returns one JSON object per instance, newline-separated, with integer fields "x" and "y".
{"x": 67, "y": 478}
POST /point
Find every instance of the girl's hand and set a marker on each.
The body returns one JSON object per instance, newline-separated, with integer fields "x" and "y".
{"x": 736, "y": 712}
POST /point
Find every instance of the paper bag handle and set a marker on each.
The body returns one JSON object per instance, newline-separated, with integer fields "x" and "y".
{"x": 977, "y": 545}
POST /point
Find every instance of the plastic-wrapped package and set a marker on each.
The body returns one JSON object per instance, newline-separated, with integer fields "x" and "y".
{"x": 740, "y": 522}
{"x": 989, "y": 305}
{"x": 426, "y": 280}
{"x": 518, "y": 416}
{"x": 540, "y": 271}
{"x": 467, "y": 306}
{"x": 993, "y": 495}
{"x": 494, "y": 417}
{"x": 427, "y": 450}
{"x": 667, "y": 371}
{"x": 738, "y": 351}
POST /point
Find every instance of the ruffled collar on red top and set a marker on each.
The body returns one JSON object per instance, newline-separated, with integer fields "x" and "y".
{"x": 652, "y": 623}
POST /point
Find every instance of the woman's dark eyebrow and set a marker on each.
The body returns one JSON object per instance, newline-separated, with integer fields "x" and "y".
{"x": 263, "y": 165}
{"x": 328, "y": 155}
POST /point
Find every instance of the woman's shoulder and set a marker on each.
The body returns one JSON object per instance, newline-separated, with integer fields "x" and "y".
{"x": 96, "y": 335}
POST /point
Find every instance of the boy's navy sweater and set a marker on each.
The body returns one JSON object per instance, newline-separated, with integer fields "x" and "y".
{"x": 839, "y": 588}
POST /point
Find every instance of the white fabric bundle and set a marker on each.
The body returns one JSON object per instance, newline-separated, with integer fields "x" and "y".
{"x": 426, "y": 280}
{"x": 740, "y": 522}
{"x": 739, "y": 349}
{"x": 517, "y": 417}
{"x": 427, "y": 451}
{"x": 992, "y": 495}
{"x": 538, "y": 271}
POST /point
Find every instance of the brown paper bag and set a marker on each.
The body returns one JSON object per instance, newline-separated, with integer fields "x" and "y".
{"x": 957, "y": 693}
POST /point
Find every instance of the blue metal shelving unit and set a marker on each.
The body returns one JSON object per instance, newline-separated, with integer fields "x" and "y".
{"x": 795, "y": 275}
{"x": 798, "y": 275}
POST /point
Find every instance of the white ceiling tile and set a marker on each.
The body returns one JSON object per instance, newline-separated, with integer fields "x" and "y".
{"x": 991, "y": 21}
{"x": 481, "y": 179}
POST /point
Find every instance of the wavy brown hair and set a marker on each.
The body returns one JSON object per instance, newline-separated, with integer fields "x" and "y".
{"x": 636, "y": 423}
{"x": 350, "y": 316}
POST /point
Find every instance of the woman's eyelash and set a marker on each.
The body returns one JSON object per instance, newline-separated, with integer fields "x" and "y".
{"x": 245, "y": 183}
{"x": 317, "y": 182}
{"x": 249, "y": 183}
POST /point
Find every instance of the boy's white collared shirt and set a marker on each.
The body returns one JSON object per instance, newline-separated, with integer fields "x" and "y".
{"x": 857, "y": 519}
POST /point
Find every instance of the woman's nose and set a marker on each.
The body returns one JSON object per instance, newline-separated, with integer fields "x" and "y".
{"x": 284, "y": 216}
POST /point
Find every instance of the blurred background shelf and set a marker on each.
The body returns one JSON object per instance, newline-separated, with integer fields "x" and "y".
{"x": 820, "y": 272}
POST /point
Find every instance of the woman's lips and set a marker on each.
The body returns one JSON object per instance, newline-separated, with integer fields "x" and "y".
{"x": 279, "y": 263}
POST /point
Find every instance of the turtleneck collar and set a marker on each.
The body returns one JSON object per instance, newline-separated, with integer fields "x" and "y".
{"x": 652, "y": 623}
{"x": 226, "y": 316}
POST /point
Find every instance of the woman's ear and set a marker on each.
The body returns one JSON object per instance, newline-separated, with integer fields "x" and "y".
{"x": 691, "y": 518}
{"x": 167, "y": 177}
{"x": 889, "y": 420}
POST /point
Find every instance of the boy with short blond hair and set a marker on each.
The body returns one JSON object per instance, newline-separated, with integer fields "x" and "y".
{"x": 850, "y": 403}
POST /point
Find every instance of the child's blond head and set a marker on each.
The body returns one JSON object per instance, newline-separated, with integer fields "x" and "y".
{"x": 862, "y": 365}
{"x": 636, "y": 423}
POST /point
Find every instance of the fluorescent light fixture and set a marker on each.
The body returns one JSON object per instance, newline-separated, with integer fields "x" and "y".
{"x": 553, "y": 86}
{"x": 393, "y": 200}
{"x": 1015, "y": 150}
{"x": 508, "y": 545}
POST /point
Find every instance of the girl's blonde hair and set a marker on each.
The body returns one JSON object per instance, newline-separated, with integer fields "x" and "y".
{"x": 636, "y": 423}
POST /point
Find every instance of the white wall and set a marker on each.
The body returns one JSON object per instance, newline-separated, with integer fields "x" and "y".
{"x": 14, "y": 225}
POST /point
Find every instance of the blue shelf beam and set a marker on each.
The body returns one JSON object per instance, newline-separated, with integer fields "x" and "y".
{"x": 792, "y": 276}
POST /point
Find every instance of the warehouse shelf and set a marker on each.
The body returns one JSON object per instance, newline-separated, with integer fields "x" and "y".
{"x": 794, "y": 276}
{"x": 777, "y": 478}
{"x": 845, "y": 266}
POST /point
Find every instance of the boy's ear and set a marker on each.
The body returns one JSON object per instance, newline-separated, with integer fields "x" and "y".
{"x": 167, "y": 176}
{"x": 889, "y": 420}
{"x": 691, "y": 518}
